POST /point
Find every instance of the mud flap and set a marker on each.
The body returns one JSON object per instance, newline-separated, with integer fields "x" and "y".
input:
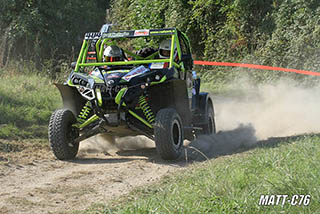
{"x": 71, "y": 98}
{"x": 172, "y": 94}
{"x": 200, "y": 107}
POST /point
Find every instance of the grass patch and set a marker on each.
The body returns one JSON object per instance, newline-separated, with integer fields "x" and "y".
{"x": 233, "y": 184}
{"x": 26, "y": 103}
{"x": 227, "y": 80}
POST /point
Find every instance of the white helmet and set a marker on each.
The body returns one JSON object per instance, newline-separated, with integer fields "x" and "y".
{"x": 112, "y": 54}
{"x": 165, "y": 49}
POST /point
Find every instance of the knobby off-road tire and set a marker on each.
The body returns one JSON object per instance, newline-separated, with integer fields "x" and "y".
{"x": 168, "y": 132}
{"x": 210, "y": 128}
{"x": 62, "y": 134}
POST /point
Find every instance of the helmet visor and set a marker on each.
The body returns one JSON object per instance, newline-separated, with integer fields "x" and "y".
{"x": 165, "y": 53}
{"x": 112, "y": 59}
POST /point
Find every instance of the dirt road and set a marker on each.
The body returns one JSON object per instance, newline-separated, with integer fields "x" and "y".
{"x": 52, "y": 186}
{"x": 38, "y": 183}
{"x": 102, "y": 171}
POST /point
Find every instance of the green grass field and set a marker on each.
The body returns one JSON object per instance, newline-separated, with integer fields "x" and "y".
{"x": 26, "y": 103}
{"x": 234, "y": 184}
{"x": 224, "y": 184}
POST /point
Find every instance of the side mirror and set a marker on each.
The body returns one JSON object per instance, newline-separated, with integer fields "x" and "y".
{"x": 73, "y": 65}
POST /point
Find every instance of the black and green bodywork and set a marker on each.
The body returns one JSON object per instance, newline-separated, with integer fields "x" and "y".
{"x": 123, "y": 98}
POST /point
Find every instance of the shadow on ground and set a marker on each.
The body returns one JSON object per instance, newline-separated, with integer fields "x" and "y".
{"x": 223, "y": 143}
{"x": 234, "y": 141}
{"x": 203, "y": 148}
{"x": 101, "y": 160}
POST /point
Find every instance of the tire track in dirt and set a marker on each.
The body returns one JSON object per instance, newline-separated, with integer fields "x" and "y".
{"x": 52, "y": 186}
{"x": 100, "y": 173}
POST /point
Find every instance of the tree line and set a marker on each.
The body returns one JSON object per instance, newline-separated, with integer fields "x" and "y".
{"x": 272, "y": 32}
{"x": 39, "y": 30}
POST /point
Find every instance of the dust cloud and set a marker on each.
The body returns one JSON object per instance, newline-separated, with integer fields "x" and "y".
{"x": 251, "y": 113}
{"x": 222, "y": 143}
{"x": 256, "y": 113}
{"x": 110, "y": 145}
{"x": 274, "y": 110}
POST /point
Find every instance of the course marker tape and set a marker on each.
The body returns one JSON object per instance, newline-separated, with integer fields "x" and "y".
{"x": 262, "y": 67}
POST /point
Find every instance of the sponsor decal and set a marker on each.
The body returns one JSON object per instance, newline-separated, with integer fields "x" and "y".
{"x": 161, "y": 32}
{"x": 110, "y": 82}
{"x": 114, "y": 75}
{"x": 157, "y": 65}
{"x": 276, "y": 200}
{"x": 118, "y": 71}
{"x": 92, "y": 35}
{"x": 141, "y": 33}
{"x": 135, "y": 72}
{"x": 115, "y": 34}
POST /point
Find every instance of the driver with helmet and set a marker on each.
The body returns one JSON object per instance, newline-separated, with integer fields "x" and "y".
{"x": 113, "y": 54}
{"x": 165, "y": 49}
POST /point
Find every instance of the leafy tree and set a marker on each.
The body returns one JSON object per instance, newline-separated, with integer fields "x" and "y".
{"x": 40, "y": 30}
{"x": 282, "y": 33}
{"x": 295, "y": 40}
{"x": 271, "y": 32}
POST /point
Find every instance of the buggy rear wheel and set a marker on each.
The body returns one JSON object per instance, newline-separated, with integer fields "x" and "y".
{"x": 169, "y": 136}
{"x": 62, "y": 134}
{"x": 210, "y": 127}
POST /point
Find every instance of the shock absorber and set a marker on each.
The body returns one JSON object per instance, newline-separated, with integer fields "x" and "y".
{"x": 146, "y": 109}
{"x": 84, "y": 113}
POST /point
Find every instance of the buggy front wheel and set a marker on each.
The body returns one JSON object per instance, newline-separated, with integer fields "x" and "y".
{"x": 62, "y": 134}
{"x": 168, "y": 132}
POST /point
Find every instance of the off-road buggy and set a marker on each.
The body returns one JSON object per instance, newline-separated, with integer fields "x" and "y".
{"x": 141, "y": 95}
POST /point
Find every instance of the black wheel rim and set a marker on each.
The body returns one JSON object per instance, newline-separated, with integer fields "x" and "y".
{"x": 176, "y": 133}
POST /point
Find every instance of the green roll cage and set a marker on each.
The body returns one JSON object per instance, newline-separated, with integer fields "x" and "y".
{"x": 102, "y": 39}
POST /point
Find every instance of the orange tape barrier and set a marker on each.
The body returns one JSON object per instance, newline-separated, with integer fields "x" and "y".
{"x": 263, "y": 67}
